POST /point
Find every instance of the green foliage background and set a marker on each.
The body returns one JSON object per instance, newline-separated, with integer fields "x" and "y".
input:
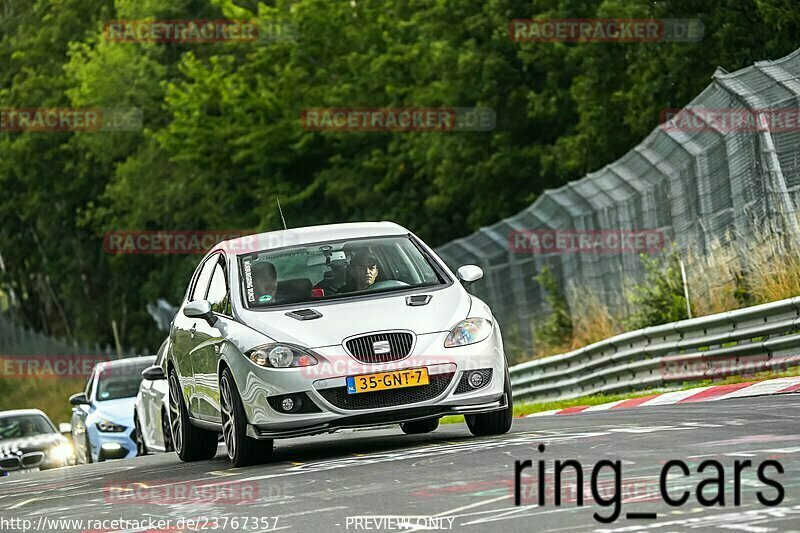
{"x": 660, "y": 298}
{"x": 222, "y": 135}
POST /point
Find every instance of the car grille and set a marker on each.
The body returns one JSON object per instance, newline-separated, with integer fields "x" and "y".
{"x": 387, "y": 398}
{"x": 9, "y": 463}
{"x": 32, "y": 459}
{"x": 464, "y": 386}
{"x": 399, "y": 347}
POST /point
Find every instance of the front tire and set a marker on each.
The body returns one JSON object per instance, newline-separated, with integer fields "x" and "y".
{"x": 242, "y": 450}
{"x": 166, "y": 432}
{"x": 87, "y": 450}
{"x": 138, "y": 438}
{"x": 420, "y": 426}
{"x": 496, "y": 422}
{"x": 192, "y": 443}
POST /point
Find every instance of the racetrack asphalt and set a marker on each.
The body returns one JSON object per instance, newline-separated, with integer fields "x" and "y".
{"x": 334, "y": 482}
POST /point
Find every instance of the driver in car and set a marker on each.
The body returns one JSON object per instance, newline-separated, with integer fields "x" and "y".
{"x": 362, "y": 272}
{"x": 26, "y": 429}
{"x": 265, "y": 282}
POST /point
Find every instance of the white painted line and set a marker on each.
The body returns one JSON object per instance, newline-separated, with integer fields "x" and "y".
{"x": 20, "y": 504}
{"x": 673, "y": 397}
{"x": 446, "y": 514}
{"x": 472, "y": 505}
{"x": 544, "y": 413}
{"x": 312, "y": 511}
{"x": 604, "y": 406}
{"x": 513, "y": 513}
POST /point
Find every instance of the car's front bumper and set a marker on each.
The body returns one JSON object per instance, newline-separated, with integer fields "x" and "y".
{"x": 396, "y": 416}
{"x": 325, "y": 382}
{"x": 107, "y": 446}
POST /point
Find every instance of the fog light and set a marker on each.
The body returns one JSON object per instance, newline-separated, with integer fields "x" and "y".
{"x": 475, "y": 380}
{"x": 288, "y": 404}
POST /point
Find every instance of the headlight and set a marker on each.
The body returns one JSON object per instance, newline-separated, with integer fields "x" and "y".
{"x": 280, "y": 356}
{"x": 109, "y": 427}
{"x": 62, "y": 452}
{"x": 468, "y": 331}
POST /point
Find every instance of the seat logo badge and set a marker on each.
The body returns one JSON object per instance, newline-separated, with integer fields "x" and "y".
{"x": 381, "y": 347}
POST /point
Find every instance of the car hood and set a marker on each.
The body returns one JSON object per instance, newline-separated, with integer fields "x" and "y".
{"x": 30, "y": 444}
{"x": 341, "y": 320}
{"x": 119, "y": 411}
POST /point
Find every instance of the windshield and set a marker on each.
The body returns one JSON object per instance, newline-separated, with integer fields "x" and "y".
{"x": 334, "y": 270}
{"x": 121, "y": 381}
{"x": 14, "y": 427}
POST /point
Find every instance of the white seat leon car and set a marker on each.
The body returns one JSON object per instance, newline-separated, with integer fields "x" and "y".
{"x": 309, "y": 330}
{"x": 153, "y": 433}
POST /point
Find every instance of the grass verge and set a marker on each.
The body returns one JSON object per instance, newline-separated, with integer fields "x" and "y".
{"x": 51, "y": 395}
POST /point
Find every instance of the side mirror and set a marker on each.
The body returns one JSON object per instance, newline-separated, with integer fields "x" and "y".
{"x": 469, "y": 274}
{"x": 153, "y": 373}
{"x": 79, "y": 398}
{"x": 200, "y": 309}
{"x": 65, "y": 428}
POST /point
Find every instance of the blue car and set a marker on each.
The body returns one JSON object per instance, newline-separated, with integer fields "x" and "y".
{"x": 102, "y": 415}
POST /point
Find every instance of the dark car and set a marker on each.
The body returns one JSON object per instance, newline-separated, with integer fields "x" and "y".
{"x": 29, "y": 442}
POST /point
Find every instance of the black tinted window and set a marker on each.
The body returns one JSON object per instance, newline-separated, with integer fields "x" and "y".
{"x": 12, "y": 427}
{"x": 337, "y": 269}
{"x": 121, "y": 381}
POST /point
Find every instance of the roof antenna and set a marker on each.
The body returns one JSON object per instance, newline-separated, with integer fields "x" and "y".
{"x": 281, "y": 212}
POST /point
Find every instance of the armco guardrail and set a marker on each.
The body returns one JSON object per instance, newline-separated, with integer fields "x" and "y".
{"x": 693, "y": 185}
{"x": 745, "y": 341}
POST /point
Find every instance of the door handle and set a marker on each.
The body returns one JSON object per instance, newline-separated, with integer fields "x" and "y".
{"x": 192, "y": 331}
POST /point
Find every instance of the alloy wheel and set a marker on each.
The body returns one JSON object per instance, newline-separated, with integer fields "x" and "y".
{"x": 175, "y": 413}
{"x": 228, "y": 425}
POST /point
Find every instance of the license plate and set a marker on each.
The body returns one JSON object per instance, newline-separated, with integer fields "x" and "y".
{"x": 23, "y": 471}
{"x": 397, "y": 379}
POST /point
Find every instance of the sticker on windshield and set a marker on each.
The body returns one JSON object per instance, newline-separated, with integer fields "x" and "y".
{"x": 265, "y": 298}
{"x": 248, "y": 282}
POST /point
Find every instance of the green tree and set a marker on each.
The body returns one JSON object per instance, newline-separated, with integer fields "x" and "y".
{"x": 659, "y": 298}
{"x": 556, "y": 331}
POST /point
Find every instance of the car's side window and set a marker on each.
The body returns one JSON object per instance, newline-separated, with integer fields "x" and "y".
{"x": 218, "y": 293}
{"x": 200, "y": 286}
{"x": 89, "y": 384}
{"x": 162, "y": 352}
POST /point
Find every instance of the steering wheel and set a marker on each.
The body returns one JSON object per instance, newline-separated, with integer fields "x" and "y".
{"x": 387, "y": 284}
